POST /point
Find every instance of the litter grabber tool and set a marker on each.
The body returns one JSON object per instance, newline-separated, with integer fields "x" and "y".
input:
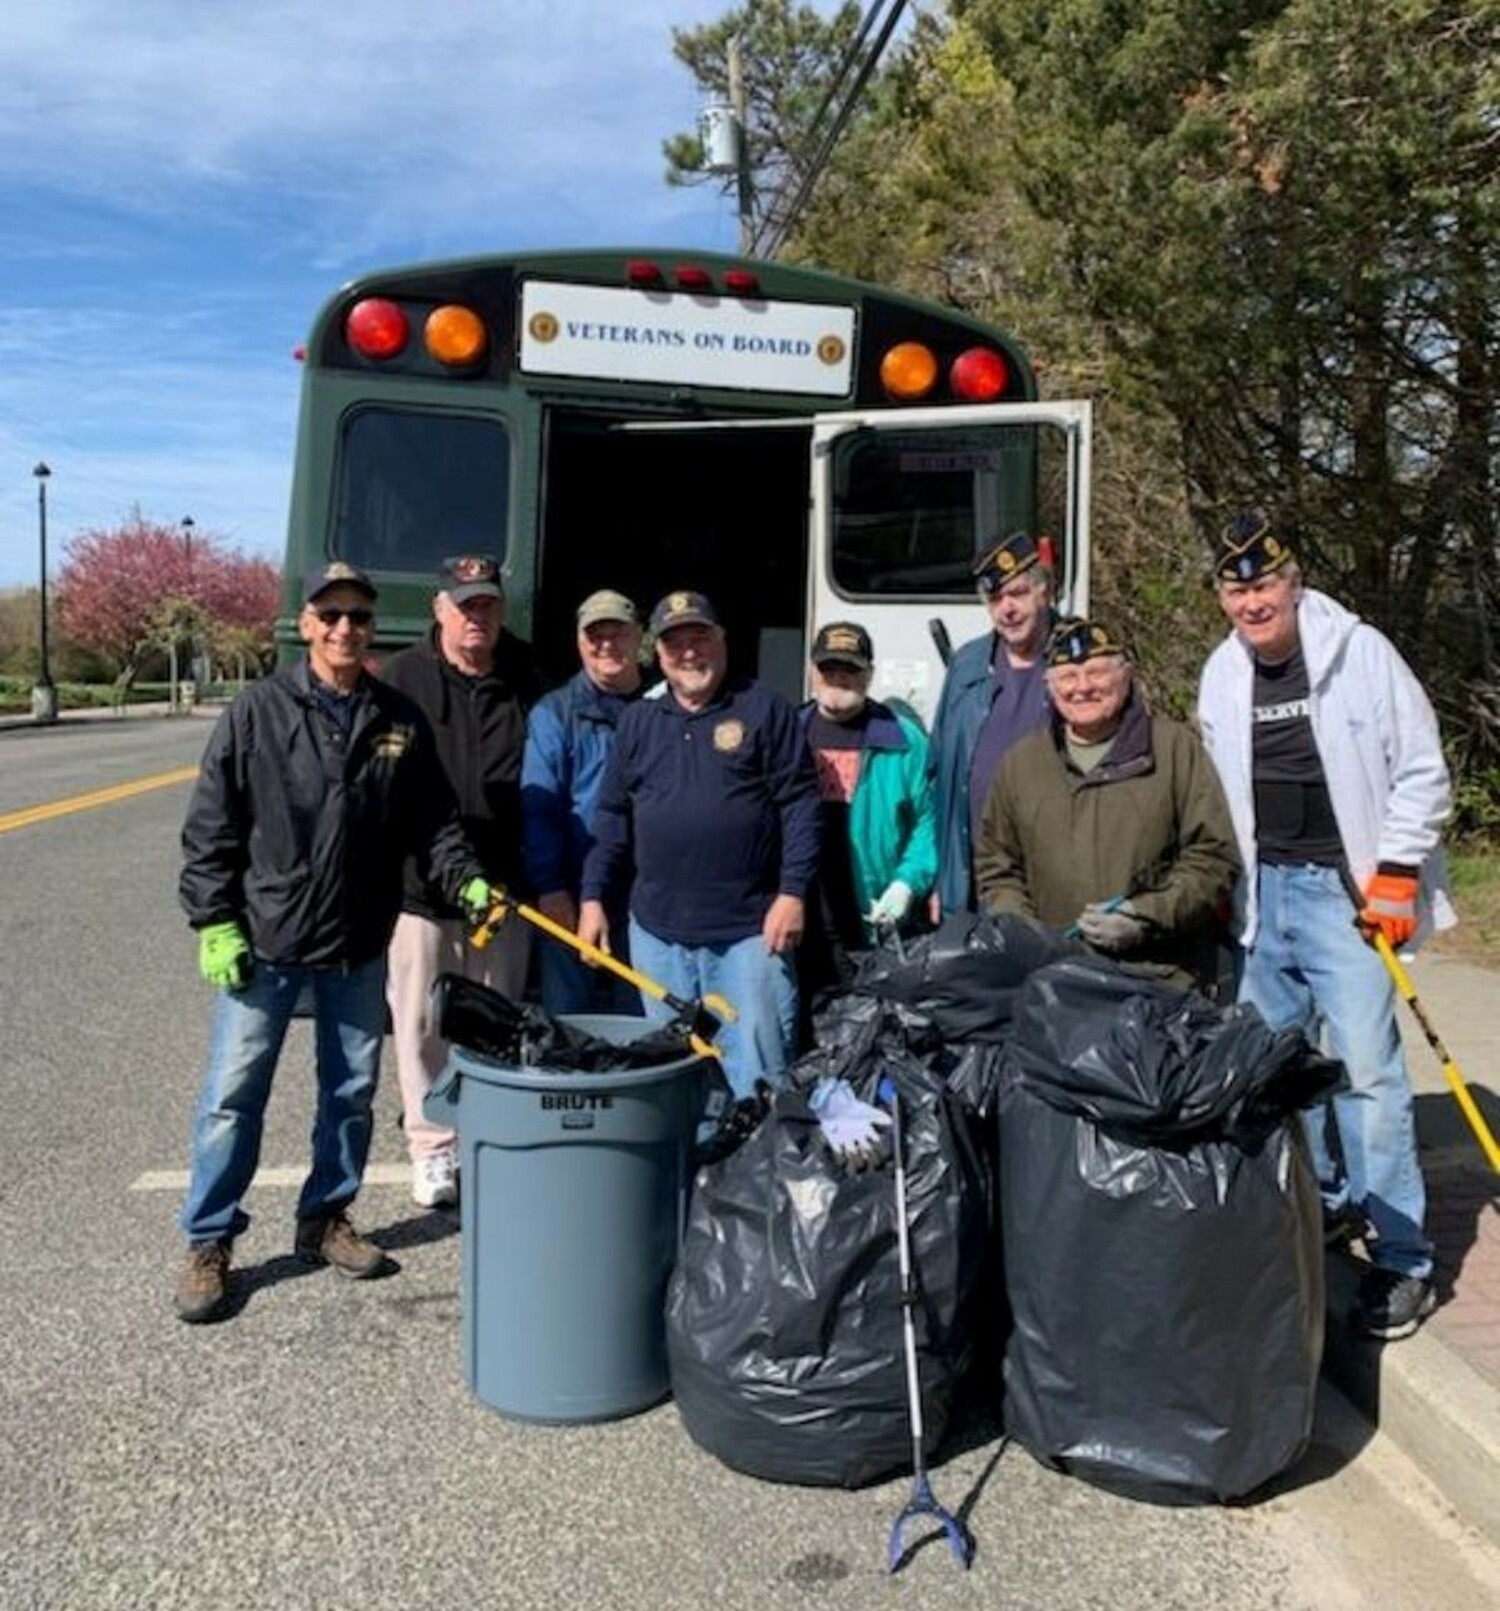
{"x": 854, "y": 1132}
{"x": 702, "y": 1020}
{"x": 1407, "y": 991}
{"x": 1113, "y": 904}
{"x": 923, "y": 1502}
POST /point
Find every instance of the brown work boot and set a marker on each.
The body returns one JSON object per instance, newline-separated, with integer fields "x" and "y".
{"x": 202, "y": 1283}
{"x": 331, "y": 1239}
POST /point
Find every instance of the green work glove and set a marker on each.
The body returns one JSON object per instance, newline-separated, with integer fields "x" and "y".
{"x": 478, "y": 898}
{"x": 224, "y": 956}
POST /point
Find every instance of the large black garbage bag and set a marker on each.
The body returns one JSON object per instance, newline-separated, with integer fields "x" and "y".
{"x": 784, "y": 1311}
{"x": 482, "y": 1020}
{"x": 1162, "y": 1236}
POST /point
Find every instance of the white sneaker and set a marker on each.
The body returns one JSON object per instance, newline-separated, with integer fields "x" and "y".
{"x": 434, "y": 1180}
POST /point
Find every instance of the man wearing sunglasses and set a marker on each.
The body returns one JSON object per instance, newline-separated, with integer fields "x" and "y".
{"x": 994, "y": 693}
{"x": 474, "y": 681}
{"x": 316, "y": 785}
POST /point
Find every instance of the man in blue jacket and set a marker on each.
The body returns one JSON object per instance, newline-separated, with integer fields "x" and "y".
{"x": 569, "y": 736}
{"x": 709, "y": 795}
{"x": 879, "y": 843}
{"x": 995, "y": 692}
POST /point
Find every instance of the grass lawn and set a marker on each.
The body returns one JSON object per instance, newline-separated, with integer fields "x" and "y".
{"x": 1476, "y": 894}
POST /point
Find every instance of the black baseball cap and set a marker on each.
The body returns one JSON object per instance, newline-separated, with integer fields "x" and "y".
{"x": 682, "y": 609}
{"x": 471, "y": 576}
{"x": 336, "y": 573}
{"x": 843, "y": 642}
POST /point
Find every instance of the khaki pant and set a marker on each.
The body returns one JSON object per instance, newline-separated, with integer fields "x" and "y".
{"x": 420, "y": 951}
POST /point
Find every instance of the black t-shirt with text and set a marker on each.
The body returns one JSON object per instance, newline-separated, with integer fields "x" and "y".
{"x": 1294, "y": 819}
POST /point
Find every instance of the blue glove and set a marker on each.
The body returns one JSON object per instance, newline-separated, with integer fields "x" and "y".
{"x": 853, "y": 1131}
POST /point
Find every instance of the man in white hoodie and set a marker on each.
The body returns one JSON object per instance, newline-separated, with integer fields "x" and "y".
{"x": 1329, "y": 754}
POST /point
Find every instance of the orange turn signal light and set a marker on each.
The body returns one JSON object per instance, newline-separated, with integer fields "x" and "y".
{"x": 908, "y": 371}
{"x": 455, "y": 335}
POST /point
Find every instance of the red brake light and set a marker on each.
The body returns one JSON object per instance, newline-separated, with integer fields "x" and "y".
{"x": 741, "y": 281}
{"x": 978, "y": 375}
{"x": 691, "y": 278}
{"x": 376, "y": 328}
{"x": 640, "y": 272}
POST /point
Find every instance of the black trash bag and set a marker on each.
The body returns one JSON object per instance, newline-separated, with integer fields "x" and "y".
{"x": 965, "y": 974}
{"x": 1162, "y": 1232}
{"x": 483, "y": 1021}
{"x": 784, "y": 1311}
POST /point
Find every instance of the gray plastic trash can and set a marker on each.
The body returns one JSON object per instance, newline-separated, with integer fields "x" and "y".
{"x": 574, "y": 1197}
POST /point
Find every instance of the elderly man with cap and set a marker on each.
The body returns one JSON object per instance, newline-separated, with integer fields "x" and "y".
{"x": 569, "y": 736}
{"x": 879, "y": 841}
{"x": 1110, "y": 822}
{"x": 1330, "y": 756}
{"x": 474, "y": 682}
{"x": 709, "y": 796}
{"x": 994, "y": 693}
{"x": 316, "y": 785}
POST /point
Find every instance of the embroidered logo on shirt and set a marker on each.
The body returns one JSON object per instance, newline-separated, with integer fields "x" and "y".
{"x": 729, "y": 735}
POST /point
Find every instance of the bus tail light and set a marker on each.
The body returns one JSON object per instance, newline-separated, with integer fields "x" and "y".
{"x": 639, "y": 271}
{"x": 908, "y": 371}
{"x": 455, "y": 335}
{"x": 692, "y": 278}
{"x": 741, "y": 282}
{"x": 376, "y": 328}
{"x": 978, "y": 375}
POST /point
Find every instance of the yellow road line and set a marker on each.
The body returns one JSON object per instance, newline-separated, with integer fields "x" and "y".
{"x": 98, "y": 797}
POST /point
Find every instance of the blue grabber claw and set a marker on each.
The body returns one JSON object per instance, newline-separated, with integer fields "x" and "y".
{"x": 923, "y": 1503}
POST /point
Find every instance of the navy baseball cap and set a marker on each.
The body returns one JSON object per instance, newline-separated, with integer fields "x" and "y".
{"x": 682, "y": 609}
{"x": 335, "y": 573}
{"x": 471, "y": 576}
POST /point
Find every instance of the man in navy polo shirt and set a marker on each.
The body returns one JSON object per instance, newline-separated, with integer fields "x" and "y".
{"x": 710, "y": 798}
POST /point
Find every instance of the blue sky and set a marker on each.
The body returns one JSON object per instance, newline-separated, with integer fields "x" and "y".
{"x": 183, "y": 182}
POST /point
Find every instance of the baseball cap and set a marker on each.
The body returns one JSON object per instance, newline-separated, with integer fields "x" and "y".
{"x": 333, "y": 574}
{"x": 1249, "y": 549}
{"x": 682, "y": 609}
{"x": 471, "y": 576}
{"x": 1075, "y": 640}
{"x": 607, "y": 605}
{"x": 843, "y": 641}
{"x": 1009, "y": 558}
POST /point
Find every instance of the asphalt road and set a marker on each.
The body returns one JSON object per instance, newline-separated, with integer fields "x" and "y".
{"x": 321, "y": 1449}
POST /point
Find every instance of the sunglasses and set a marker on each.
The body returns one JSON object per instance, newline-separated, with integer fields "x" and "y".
{"x": 330, "y": 616}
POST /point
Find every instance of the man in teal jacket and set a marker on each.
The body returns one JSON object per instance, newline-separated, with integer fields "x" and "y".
{"x": 878, "y": 860}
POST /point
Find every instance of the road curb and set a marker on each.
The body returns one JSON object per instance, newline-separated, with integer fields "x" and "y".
{"x": 1433, "y": 1405}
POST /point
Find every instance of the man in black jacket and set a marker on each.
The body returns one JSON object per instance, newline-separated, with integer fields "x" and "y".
{"x": 474, "y": 682}
{"x": 315, "y": 786}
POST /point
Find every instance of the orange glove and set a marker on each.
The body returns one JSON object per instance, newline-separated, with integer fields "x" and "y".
{"x": 1391, "y": 904}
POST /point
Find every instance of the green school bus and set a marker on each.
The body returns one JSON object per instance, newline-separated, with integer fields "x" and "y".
{"x": 799, "y": 446}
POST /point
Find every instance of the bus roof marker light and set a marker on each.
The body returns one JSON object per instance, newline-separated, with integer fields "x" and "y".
{"x": 908, "y": 371}
{"x": 641, "y": 271}
{"x": 692, "y": 278}
{"x": 979, "y": 375}
{"x": 741, "y": 282}
{"x": 376, "y": 328}
{"x": 455, "y": 335}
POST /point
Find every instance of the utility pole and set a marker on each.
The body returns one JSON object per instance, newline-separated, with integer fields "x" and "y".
{"x": 745, "y": 191}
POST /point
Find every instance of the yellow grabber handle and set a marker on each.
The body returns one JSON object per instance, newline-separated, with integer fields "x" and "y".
{"x": 1461, "y": 1092}
{"x": 702, "y": 1019}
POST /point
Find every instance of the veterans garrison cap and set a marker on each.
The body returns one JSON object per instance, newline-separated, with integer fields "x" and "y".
{"x": 607, "y": 605}
{"x": 843, "y": 642}
{"x": 682, "y": 609}
{"x": 335, "y": 573}
{"x": 1007, "y": 559}
{"x": 1249, "y": 548}
{"x": 471, "y": 576}
{"x": 1075, "y": 640}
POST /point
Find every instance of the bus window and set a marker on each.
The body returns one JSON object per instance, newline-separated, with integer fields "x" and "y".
{"x": 417, "y": 486}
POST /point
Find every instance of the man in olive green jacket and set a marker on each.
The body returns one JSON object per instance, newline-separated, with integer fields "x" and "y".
{"x": 1110, "y": 824}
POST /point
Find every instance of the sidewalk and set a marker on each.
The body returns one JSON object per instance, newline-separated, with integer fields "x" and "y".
{"x": 1437, "y": 1394}
{"x": 105, "y": 713}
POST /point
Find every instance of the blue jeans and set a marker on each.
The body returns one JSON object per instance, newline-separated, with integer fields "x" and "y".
{"x": 759, "y": 985}
{"x": 570, "y": 986}
{"x": 249, "y": 1027}
{"x": 1310, "y": 969}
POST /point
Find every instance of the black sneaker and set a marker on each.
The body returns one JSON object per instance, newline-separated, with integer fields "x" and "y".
{"x": 1390, "y": 1305}
{"x": 202, "y": 1283}
{"x": 1341, "y": 1226}
{"x": 333, "y": 1240}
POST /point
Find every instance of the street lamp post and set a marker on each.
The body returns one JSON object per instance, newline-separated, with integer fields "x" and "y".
{"x": 44, "y": 693}
{"x": 180, "y": 697}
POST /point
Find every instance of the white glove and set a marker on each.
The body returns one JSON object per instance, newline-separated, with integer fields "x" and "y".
{"x": 892, "y": 907}
{"x": 852, "y": 1130}
{"x": 1120, "y": 928}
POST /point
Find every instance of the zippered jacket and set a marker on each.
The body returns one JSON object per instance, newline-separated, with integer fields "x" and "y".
{"x": 1377, "y": 737}
{"x": 300, "y": 835}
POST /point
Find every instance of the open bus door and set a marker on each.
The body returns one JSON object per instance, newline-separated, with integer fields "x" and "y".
{"x": 904, "y": 499}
